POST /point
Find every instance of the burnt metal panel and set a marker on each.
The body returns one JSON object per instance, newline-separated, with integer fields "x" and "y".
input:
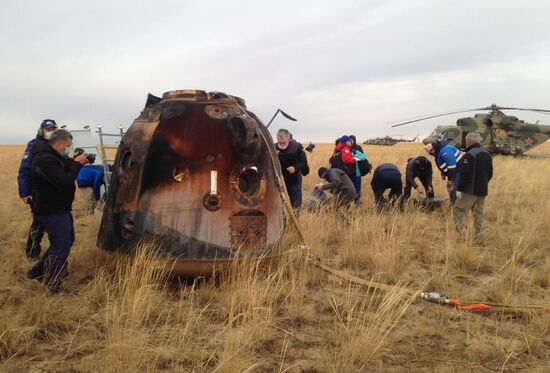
{"x": 185, "y": 171}
{"x": 248, "y": 232}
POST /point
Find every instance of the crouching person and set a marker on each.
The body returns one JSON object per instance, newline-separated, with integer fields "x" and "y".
{"x": 421, "y": 168}
{"x": 89, "y": 181}
{"x": 476, "y": 170}
{"x": 54, "y": 175}
{"x": 386, "y": 176}
{"x": 339, "y": 184}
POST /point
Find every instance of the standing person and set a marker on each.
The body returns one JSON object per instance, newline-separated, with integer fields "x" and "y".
{"x": 386, "y": 176}
{"x": 360, "y": 157}
{"x": 475, "y": 173}
{"x": 24, "y": 181}
{"x": 447, "y": 158}
{"x": 421, "y": 168}
{"x": 342, "y": 158}
{"x": 54, "y": 176}
{"x": 294, "y": 165}
{"x": 339, "y": 184}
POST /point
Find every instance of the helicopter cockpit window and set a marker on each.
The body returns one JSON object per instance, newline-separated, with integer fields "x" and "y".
{"x": 450, "y": 135}
{"x": 436, "y": 134}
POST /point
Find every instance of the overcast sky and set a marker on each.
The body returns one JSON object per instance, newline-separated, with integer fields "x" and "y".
{"x": 340, "y": 67}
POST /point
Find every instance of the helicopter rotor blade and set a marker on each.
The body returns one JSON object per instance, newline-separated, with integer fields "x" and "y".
{"x": 435, "y": 116}
{"x": 542, "y": 111}
{"x": 492, "y": 107}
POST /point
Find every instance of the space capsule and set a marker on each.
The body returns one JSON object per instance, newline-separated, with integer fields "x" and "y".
{"x": 196, "y": 173}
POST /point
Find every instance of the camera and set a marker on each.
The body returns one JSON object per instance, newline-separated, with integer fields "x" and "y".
{"x": 80, "y": 151}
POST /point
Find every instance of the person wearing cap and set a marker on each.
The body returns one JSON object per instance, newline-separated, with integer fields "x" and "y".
{"x": 342, "y": 157}
{"x": 447, "y": 158}
{"x": 54, "y": 174}
{"x": 339, "y": 184}
{"x": 476, "y": 170}
{"x": 24, "y": 182}
{"x": 386, "y": 176}
{"x": 421, "y": 168}
{"x": 294, "y": 165}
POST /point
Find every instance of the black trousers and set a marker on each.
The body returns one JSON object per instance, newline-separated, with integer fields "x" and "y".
{"x": 295, "y": 194}
{"x": 54, "y": 263}
{"x": 384, "y": 180}
{"x": 36, "y": 233}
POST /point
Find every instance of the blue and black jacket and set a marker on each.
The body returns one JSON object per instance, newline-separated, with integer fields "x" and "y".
{"x": 447, "y": 158}
{"x": 91, "y": 176}
{"x": 24, "y": 177}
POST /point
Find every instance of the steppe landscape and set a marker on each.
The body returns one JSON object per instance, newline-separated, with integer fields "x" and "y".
{"x": 129, "y": 316}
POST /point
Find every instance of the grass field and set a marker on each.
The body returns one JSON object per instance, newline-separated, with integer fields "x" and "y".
{"x": 129, "y": 317}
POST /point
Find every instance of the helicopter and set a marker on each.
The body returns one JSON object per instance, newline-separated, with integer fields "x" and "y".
{"x": 386, "y": 141}
{"x": 501, "y": 134}
{"x": 196, "y": 173}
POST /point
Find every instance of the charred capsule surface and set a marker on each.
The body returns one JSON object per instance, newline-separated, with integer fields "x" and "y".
{"x": 195, "y": 174}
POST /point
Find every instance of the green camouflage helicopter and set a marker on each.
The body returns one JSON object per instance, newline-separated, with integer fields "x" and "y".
{"x": 387, "y": 141}
{"x": 501, "y": 133}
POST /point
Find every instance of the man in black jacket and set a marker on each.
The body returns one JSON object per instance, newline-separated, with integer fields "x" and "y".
{"x": 421, "y": 168}
{"x": 54, "y": 176}
{"x": 293, "y": 164}
{"x": 476, "y": 170}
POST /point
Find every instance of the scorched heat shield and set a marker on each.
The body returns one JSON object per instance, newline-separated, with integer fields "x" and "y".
{"x": 197, "y": 173}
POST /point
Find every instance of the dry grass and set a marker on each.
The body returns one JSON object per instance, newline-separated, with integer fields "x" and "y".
{"x": 128, "y": 316}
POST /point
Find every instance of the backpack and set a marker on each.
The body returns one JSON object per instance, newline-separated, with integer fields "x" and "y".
{"x": 364, "y": 166}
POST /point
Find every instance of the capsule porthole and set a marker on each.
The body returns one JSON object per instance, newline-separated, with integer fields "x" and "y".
{"x": 249, "y": 181}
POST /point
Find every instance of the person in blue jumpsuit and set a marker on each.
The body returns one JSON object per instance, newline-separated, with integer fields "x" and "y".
{"x": 24, "y": 181}
{"x": 91, "y": 176}
{"x": 447, "y": 158}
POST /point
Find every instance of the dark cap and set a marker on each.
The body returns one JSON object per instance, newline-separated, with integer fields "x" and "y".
{"x": 48, "y": 124}
{"x": 345, "y": 138}
{"x": 322, "y": 172}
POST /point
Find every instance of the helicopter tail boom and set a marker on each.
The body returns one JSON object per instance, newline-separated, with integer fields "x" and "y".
{"x": 543, "y": 128}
